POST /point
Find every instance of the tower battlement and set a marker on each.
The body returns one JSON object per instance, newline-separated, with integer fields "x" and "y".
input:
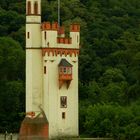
{"x": 49, "y": 26}
{"x": 54, "y": 26}
{"x": 64, "y": 40}
{"x": 54, "y": 36}
{"x": 75, "y": 27}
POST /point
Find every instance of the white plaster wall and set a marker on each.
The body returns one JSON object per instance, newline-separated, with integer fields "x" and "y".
{"x": 34, "y": 40}
{"x": 51, "y": 39}
{"x": 33, "y": 19}
{"x": 29, "y": 68}
{"x": 75, "y": 39}
{"x": 44, "y": 42}
{"x": 34, "y": 80}
{"x": 60, "y": 45}
{"x": 52, "y": 93}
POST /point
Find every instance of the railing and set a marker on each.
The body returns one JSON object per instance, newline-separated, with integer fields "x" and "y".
{"x": 8, "y": 136}
{"x": 65, "y": 76}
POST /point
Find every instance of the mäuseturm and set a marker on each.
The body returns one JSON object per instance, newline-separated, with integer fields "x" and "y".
{"x": 51, "y": 77}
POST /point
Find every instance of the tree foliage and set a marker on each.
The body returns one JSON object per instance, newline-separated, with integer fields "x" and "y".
{"x": 109, "y": 63}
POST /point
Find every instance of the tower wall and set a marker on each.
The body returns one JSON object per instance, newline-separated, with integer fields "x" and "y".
{"x": 33, "y": 35}
{"x": 49, "y": 38}
{"x": 55, "y": 48}
{"x": 57, "y": 125}
{"x": 34, "y": 69}
{"x": 34, "y": 85}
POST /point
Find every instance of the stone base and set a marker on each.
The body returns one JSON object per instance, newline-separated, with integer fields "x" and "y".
{"x": 34, "y": 129}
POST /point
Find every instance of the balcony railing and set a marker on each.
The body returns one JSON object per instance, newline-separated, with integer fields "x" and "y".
{"x": 65, "y": 77}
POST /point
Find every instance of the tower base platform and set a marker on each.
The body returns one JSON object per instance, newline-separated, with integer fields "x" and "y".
{"x": 34, "y": 129}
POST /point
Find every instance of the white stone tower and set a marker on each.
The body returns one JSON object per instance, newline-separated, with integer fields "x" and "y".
{"x": 34, "y": 85}
{"x": 52, "y": 72}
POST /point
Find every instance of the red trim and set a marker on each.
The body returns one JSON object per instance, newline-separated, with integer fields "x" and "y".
{"x": 75, "y": 28}
{"x": 60, "y": 51}
{"x": 64, "y": 40}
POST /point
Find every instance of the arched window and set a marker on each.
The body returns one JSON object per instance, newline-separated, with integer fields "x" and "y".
{"x": 36, "y": 8}
{"x": 29, "y": 7}
{"x": 63, "y": 101}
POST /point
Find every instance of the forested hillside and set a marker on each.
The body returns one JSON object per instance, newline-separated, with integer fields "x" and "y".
{"x": 109, "y": 64}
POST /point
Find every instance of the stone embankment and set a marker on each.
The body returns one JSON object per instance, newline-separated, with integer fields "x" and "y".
{"x": 15, "y": 137}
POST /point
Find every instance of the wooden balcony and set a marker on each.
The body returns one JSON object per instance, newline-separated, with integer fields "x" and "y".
{"x": 65, "y": 77}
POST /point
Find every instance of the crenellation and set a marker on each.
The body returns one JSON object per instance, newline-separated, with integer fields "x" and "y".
{"x": 55, "y": 26}
{"x": 46, "y": 26}
{"x": 55, "y": 35}
{"x": 63, "y": 40}
{"x": 61, "y": 31}
{"x": 75, "y": 27}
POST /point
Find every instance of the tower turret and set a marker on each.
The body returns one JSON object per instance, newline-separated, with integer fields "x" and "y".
{"x": 33, "y": 21}
{"x": 33, "y": 56}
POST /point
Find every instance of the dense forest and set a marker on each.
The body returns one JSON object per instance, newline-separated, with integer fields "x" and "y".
{"x": 109, "y": 64}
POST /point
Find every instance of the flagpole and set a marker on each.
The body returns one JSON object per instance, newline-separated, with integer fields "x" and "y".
{"x": 58, "y": 13}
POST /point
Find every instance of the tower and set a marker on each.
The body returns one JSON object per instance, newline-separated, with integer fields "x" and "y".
{"x": 60, "y": 62}
{"x": 34, "y": 85}
{"x": 51, "y": 73}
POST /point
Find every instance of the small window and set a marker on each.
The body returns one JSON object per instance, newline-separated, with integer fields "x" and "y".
{"x": 44, "y": 69}
{"x": 65, "y": 71}
{"x": 36, "y": 8}
{"x": 29, "y": 7}
{"x": 45, "y": 35}
{"x": 63, "y": 101}
{"x": 60, "y": 70}
{"x": 69, "y": 70}
{"x": 28, "y": 35}
{"x": 63, "y": 115}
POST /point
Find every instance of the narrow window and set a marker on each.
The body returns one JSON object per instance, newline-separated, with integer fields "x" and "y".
{"x": 45, "y": 35}
{"x": 36, "y": 8}
{"x": 69, "y": 70}
{"x": 63, "y": 101}
{"x": 65, "y": 71}
{"x": 44, "y": 69}
{"x": 77, "y": 39}
{"x": 28, "y": 35}
{"x": 63, "y": 115}
{"x": 60, "y": 70}
{"x": 29, "y": 7}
